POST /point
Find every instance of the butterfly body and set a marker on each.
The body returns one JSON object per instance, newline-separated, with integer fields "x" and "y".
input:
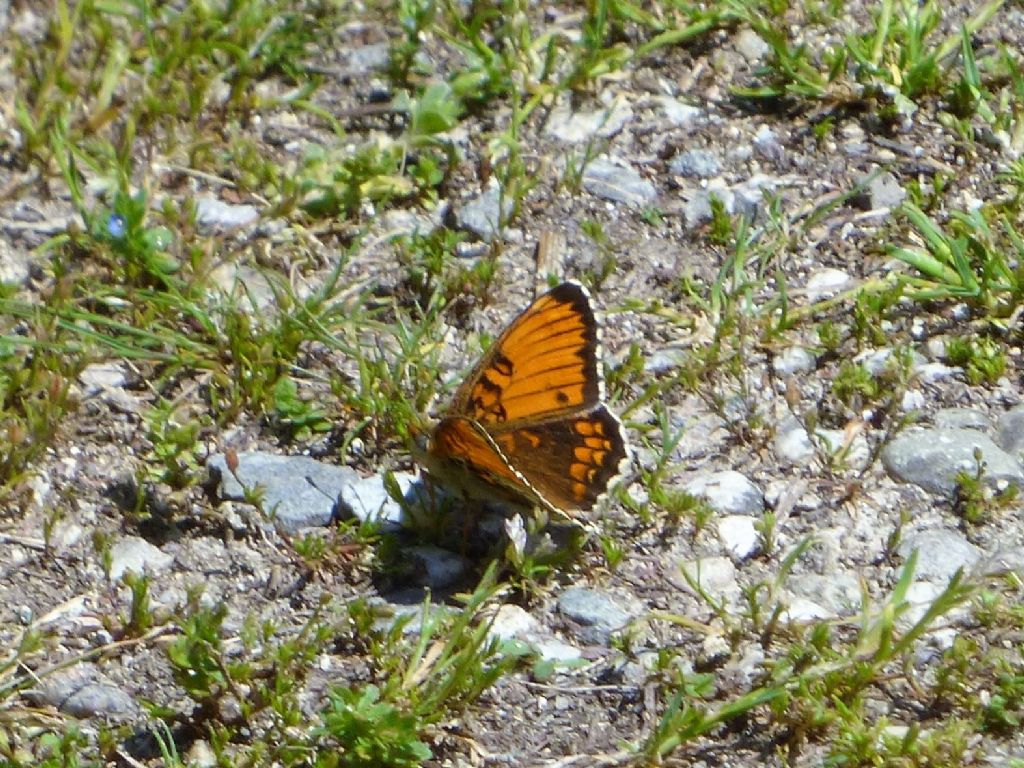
{"x": 528, "y": 426}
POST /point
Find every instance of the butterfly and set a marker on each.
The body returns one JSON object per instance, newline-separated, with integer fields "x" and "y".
{"x": 528, "y": 425}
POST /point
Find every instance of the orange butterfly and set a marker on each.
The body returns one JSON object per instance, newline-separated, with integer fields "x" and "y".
{"x": 528, "y": 425}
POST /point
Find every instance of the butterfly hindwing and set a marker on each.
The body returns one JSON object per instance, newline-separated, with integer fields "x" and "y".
{"x": 543, "y": 364}
{"x": 565, "y": 464}
{"x": 569, "y": 461}
{"x": 528, "y": 424}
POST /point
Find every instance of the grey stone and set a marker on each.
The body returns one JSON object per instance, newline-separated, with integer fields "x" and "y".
{"x": 961, "y": 418}
{"x": 729, "y": 492}
{"x": 714, "y": 575}
{"x": 15, "y": 263}
{"x": 750, "y": 45}
{"x": 97, "y": 377}
{"x": 214, "y": 215}
{"x": 884, "y": 192}
{"x": 297, "y": 491}
{"x": 1007, "y": 559}
{"x": 766, "y": 144}
{"x": 912, "y": 400}
{"x": 931, "y": 458}
{"x": 940, "y": 553}
{"x": 802, "y": 609}
{"x": 930, "y": 373}
{"x": 678, "y": 113}
{"x": 595, "y": 612}
{"x": 695, "y": 163}
{"x": 437, "y": 568}
{"x": 747, "y": 200}
{"x": 838, "y": 592}
{"x": 485, "y": 213}
{"x": 739, "y": 535}
{"x": 792, "y": 443}
{"x": 920, "y": 596}
{"x": 577, "y": 127}
{"x": 83, "y": 691}
{"x": 513, "y": 623}
{"x": 617, "y": 182}
{"x": 471, "y": 251}
{"x": 366, "y": 499}
{"x": 369, "y": 58}
{"x": 698, "y": 208}
{"x": 1010, "y": 431}
{"x": 99, "y": 699}
{"x": 138, "y": 555}
{"x": 663, "y": 361}
{"x": 795, "y": 360}
{"x": 397, "y": 222}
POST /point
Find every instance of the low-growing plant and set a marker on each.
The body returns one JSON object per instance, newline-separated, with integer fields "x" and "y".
{"x": 968, "y": 263}
{"x": 983, "y": 358}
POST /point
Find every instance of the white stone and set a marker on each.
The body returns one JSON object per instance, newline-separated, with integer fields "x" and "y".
{"x": 138, "y": 555}
{"x": 739, "y": 535}
{"x": 826, "y": 282}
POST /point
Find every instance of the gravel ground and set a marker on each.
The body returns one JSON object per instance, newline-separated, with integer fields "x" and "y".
{"x": 762, "y": 435}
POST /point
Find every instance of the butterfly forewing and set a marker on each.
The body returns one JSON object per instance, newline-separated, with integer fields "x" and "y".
{"x": 544, "y": 363}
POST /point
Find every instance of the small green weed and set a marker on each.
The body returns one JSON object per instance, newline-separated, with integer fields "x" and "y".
{"x": 975, "y": 500}
{"x": 983, "y": 358}
{"x": 367, "y": 732}
{"x": 968, "y": 263}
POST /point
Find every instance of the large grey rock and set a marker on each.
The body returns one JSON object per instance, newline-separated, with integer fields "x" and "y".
{"x": 297, "y": 491}
{"x": 962, "y": 418}
{"x": 792, "y": 443}
{"x": 437, "y": 568}
{"x": 1010, "y": 433}
{"x": 678, "y": 113}
{"x": 367, "y": 500}
{"x": 838, "y": 592}
{"x": 714, "y": 575}
{"x": 795, "y": 360}
{"x": 372, "y": 57}
{"x": 97, "y": 377}
{"x": 931, "y": 458}
{"x": 826, "y": 282}
{"x": 883, "y": 192}
{"x": 15, "y": 263}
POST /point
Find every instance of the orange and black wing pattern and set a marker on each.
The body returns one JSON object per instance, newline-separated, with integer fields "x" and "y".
{"x": 528, "y": 425}
{"x": 563, "y": 464}
{"x": 545, "y": 363}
